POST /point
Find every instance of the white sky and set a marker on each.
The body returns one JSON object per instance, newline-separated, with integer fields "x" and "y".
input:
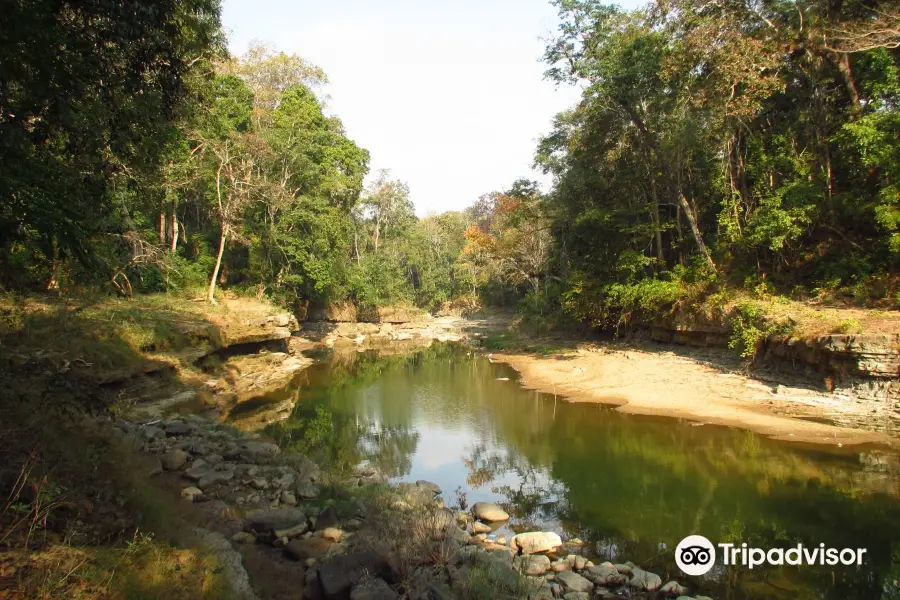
{"x": 448, "y": 95}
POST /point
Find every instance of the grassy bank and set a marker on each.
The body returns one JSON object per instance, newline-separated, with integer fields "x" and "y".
{"x": 79, "y": 516}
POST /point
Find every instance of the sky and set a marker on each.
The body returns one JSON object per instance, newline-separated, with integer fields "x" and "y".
{"x": 448, "y": 95}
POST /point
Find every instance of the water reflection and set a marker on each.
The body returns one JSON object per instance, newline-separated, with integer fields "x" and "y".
{"x": 632, "y": 487}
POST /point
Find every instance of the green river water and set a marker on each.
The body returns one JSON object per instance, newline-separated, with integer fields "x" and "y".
{"x": 630, "y": 487}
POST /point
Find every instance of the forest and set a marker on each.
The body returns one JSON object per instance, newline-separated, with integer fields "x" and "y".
{"x": 724, "y": 148}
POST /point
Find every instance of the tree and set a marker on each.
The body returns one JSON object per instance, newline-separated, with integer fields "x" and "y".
{"x": 89, "y": 92}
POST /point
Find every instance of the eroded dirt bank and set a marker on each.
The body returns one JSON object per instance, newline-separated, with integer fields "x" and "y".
{"x": 651, "y": 381}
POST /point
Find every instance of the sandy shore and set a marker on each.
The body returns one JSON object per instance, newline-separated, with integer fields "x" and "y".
{"x": 650, "y": 382}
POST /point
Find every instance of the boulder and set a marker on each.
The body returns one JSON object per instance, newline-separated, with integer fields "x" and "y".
{"x": 173, "y": 459}
{"x": 340, "y": 574}
{"x": 214, "y": 478}
{"x": 178, "y": 428}
{"x": 488, "y": 511}
{"x": 673, "y": 588}
{"x": 332, "y": 533}
{"x": 191, "y": 493}
{"x": 327, "y": 518}
{"x": 263, "y": 521}
{"x": 302, "y": 549}
{"x": 644, "y": 580}
{"x": 371, "y": 588}
{"x": 479, "y": 527}
{"x": 533, "y": 565}
{"x": 605, "y": 574}
{"x": 433, "y": 488}
{"x": 573, "y": 582}
{"x": 536, "y": 542}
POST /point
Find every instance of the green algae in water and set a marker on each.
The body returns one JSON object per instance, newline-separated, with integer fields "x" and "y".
{"x": 632, "y": 487}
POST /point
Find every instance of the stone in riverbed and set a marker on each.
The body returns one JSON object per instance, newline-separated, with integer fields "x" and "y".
{"x": 373, "y": 589}
{"x": 605, "y": 574}
{"x": 536, "y": 542}
{"x": 307, "y": 490}
{"x": 577, "y": 596}
{"x": 645, "y": 580}
{"x": 173, "y": 459}
{"x": 214, "y": 478}
{"x": 332, "y": 533}
{"x": 327, "y": 518}
{"x": 673, "y": 588}
{"x": 302, "y": 549}
{"x": 191, "y": 493}
{"x": 432, "y": 488}
{"x": 242, "y": 537}
{"x": 340, "y": 574}
{"x": 288, "y": 498}
{"x": 573, "y": 582}
{"x": 178, "y": 428}
{"x": 479, "y": 527}
{"x": 533, "y": 565}
{"x": 488, "y": 511}
{"x": 262, "y": 521}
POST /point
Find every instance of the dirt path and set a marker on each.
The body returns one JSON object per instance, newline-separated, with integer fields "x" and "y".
{"x": 658, "y": 382}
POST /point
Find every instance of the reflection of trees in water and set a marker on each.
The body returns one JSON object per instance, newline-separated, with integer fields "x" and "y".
{"x": 389, "y": 449}
{"x": 534, "y": 500}
{"x": 623, "y": 484}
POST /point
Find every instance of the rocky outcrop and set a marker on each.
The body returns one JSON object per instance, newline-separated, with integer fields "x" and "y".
{"x": 348, "y": 553}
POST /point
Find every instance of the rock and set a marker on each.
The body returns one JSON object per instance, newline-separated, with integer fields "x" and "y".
{"x": 214, "y": 478}
{"x": 536, "y": 542}
{"x": 178, "y": 428}
{"x": 229, "y": 563}
{"x": 173, "y": 460}
{"x": 673, "y": 588}
{"x": 340, "y": 574}
{"x": 332, "y": 533}
{"x": 605, "y": 574}
{"x": 533, "y": 565}
{"x": 560, "y": 566}
{"x": 288, "y": 498}
{"x": 197, "y": 472}
{"x": 577, "y": 596}
{"x": 259, "y": 483}
{"x": 191, "y": 493}
{"x": 291, "y": 532}
{"x": 307, "y": 490}
{"x": 432, "y": 488}
{"x": 264, "y": 521}
{"x": 624, "y": 569}
{"x": 644, "y": 580}
{"x": 303, "y": 549}
{"x": 371, "y": 588}
{"x": 327, "y": 518}
{"x": 580, "y": 563}
{"x": 573, "y": 582}
{"x": 242, "y": 537}
{"x": 153, "y": 433}
{"x": 479, "y": 527}
{"x": 488, "y": 511}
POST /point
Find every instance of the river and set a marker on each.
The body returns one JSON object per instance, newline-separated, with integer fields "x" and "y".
{"x": 631, "y": 487}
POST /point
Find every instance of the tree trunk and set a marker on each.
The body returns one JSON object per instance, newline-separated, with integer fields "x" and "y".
{"x": 162, "y": 228}
{"x": 174, "y": 245}
{"x": 685, "y": 203}
{"x": 654, "y": 214}
{"x": 53, "y": 282}
{"x": 210, "y": 296}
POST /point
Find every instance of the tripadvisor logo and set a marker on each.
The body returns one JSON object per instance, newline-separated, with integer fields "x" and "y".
{"x": 696, "y": 555}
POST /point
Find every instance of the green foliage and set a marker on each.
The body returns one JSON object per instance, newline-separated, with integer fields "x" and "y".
{"x": 751, "y": 326}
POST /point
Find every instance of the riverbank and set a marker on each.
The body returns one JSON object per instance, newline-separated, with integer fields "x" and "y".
{"x": 707, "y": 387}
